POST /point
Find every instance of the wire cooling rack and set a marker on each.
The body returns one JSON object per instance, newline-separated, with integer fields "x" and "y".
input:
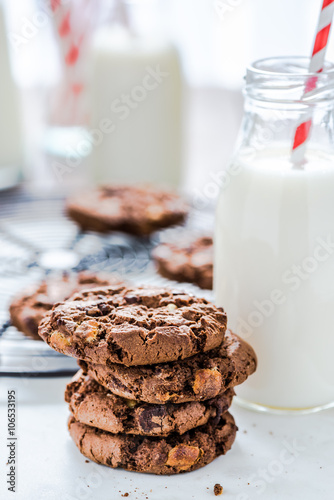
{"x": 36, "y": 240}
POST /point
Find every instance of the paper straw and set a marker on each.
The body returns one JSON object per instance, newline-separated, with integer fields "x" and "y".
{"x": 316, "y": 66}
{"x": 74, "y": 23}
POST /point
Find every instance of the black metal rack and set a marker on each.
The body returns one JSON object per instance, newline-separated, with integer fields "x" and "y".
{"x": 37, "y": 239}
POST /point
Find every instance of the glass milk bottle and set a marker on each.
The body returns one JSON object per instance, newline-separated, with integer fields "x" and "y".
{"x": 11, "y": 146}
{"x": 136, "y": 98}
{"x": 274, "y": 240}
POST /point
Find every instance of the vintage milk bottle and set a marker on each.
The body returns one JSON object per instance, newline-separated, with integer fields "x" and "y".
{"x": 274, "y": 240}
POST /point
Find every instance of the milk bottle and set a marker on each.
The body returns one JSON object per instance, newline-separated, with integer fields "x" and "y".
{"x": 274, "y": 240}
{"x": 136, "y": 100}
{"x": 10, "y": 132}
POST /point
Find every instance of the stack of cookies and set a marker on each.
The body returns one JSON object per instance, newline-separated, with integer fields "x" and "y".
{"x": 158, "y": 369}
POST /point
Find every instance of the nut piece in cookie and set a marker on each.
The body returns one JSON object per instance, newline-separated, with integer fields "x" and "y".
{"x": 60, "y": 342}
{"x": 183, "y": 456}
{"x": 88, "y": 331}
{"x": 207, "y": 383}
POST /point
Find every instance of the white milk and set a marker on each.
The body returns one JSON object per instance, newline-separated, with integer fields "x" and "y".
{"x": 136, "y": 91}
{"x": 274, "y": 275}
{"x": 10, "y": 132}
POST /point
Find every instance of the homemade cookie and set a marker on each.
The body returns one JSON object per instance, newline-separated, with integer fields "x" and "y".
{"x": 30, "y": 306}
{"x": 94, "y": 405}
{"x": 190, "y": 261}
{"x": 169, "y": 455}
{"x": 137, "y": 210}
{"x": 198, "y": 378}
{"x": 133, "y": 326}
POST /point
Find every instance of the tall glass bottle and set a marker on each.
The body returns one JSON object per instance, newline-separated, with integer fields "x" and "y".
{"x": 136, "y": 98}
{"x": 11, "y": 144}
{"x": 274, "y": 241}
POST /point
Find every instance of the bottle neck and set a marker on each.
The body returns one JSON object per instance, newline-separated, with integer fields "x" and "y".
{"x": 272, "y": 124}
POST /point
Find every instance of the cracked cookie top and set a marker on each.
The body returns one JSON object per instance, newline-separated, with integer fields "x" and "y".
{"x": 133, "y": 326}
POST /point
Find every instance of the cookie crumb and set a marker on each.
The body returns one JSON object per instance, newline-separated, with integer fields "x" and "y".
{"x": 125, "y": 495}
{"x": 218, "y": 489}
{"x": 87, "y": 461}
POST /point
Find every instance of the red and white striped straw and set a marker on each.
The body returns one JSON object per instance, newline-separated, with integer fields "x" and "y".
{"x": 74, "y": 22}
{"x": 316, "y": 66}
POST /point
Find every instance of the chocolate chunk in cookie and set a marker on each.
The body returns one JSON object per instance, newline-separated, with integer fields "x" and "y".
{"x": 190, "y": 261}
{"x": 92, "y": 404}
{"x": 156, "y": 455}
{"x": 30, "y": 306}
{"x": 199, "y": 378}
{"x": 133, "y": 326}
{"x": 138, "y": 210}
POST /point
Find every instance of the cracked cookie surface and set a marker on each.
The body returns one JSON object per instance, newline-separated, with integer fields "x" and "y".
{"x": 157, "y": 455}
{"x": 93, "y": 405}
{"x": 201, "y": 377}
{"x": 138, "y": 210}
{"x": 133, "y": 326}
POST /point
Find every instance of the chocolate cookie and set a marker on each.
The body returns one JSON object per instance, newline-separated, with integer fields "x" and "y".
{"x": 133, "y": 326}
{"x": 169, "y": 455}
{"x": 94, "y": 405}
{"x": 198, "y": 378}
{"x": 190, "y": 261}
{"x": 30, "y": 306}
{"x": 137, "y": 210}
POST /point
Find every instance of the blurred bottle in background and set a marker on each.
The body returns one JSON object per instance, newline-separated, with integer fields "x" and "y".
{"x": 136, "y": 98}
{"x": 11, "y": 146}
{"x": 216, "y": 40}
{"x": 68, "y": 109}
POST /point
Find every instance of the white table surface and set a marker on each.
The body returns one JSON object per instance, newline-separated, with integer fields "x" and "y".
{"x": 260, "y": 464}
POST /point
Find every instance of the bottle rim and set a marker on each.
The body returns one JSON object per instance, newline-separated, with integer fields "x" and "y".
{"x": 295, "y": 66}
{"x": 283, "y": 79}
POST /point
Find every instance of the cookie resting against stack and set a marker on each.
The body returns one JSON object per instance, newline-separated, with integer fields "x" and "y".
{"x": 158, "y": 368}
{"x": 30, "y": 305}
